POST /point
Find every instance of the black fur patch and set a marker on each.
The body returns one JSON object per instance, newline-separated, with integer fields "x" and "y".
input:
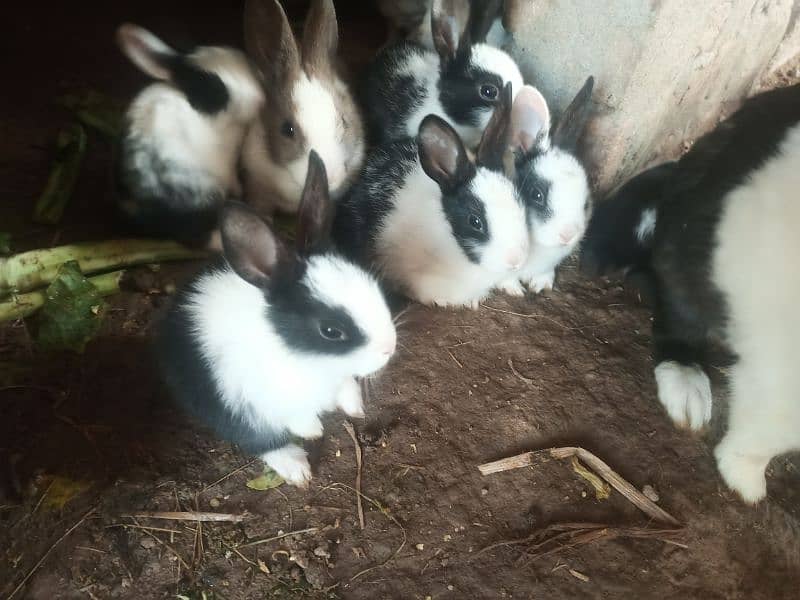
{"x": 459, "y": 90}
{"x": 297, "y": 316}
{"x": 688, "y": 303}
{"x": 386, "y": 98}
{"x": 205, "y": 91}
{"x": 534, "y": 190}
{"x": 459, "y": 207}
{"x": 189, "y": 379}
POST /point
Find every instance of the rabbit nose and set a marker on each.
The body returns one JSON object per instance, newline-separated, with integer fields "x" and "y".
{"x": 389, "y": 346}
{"x": 514, "y": 259}
{"x": 568, "y": 235}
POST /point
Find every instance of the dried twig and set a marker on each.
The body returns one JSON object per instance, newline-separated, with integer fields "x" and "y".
{"x": 642, "y": 502}
{"x": 279, "y": 537}
{"x": 131, "y": 526}
{"x": 531, "y": 316}
{"x": 171, "y": 549}
{"x": 49, "y": 550}
{"x": 352, "y": 433}
{"x": 224, "y": 477}
{"x": 189, "y": 516}
{"x": 519, "y": 375}
{"x": 455, "y": 360}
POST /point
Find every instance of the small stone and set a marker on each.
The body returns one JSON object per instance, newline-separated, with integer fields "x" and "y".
{"x": 650, "y": 493}
{"x": 321, "y": 552}
{"x": 447, "y": 537}
{"x": 338, "y": 453}
{"x": 214, "y": 503}
{"x": 147, "y": 543}
{"x": 420, "y": 547}
{"x": 484, "y": 491}
{"x": 583, "y": 494}
{"x": 450, "y": 588}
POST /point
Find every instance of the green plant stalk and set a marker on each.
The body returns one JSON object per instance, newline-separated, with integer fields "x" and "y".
{"x": 71, "y": 147}
{"x": 95, "y": 111}
{"x": 25, "y": 305}
{"x": 28, "y": 271}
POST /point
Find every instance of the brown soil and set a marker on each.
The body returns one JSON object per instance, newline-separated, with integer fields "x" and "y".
{"x": 448, "y": 402}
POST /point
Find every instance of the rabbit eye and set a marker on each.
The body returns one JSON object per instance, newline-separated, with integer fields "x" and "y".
{"x": 489, "y": 92}
{"x": 476, "y": 223}
{"x": 331, "y": 331}
{"x": 287, "y": 129}
{"x": 538, "y": 196}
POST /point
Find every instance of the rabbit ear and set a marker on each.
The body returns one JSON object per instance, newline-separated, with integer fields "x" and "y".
{"x": 145, "y": 50}
{"x": 494, "y": 142}
{"x": 250, "y": 247}
{"x": 572, "y": 123}
{"x": 530, "y": 119}
{"x": 442, "y": 153}
{"x": 448, "y": 25}
{"x": 320, "y": 37}
{"x": 482, "y": 16}
{"x": 315, "y": 215}
{"x": 270, "y": 42}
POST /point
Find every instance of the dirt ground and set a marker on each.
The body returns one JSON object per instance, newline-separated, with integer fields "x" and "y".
{"x": 568, "y": 369}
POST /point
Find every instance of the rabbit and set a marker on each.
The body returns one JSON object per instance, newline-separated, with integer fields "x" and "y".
{"x": 437, "y": 226}
{"x": 308, "y": 107}
{"x": 408, "y": 19}
{"x": 722, "y": 257}
{"x": 259, "y": 347}
{"x": 460, "y": 82}
{"x": 177, "y": 160}
{"x": 552, "y": 182}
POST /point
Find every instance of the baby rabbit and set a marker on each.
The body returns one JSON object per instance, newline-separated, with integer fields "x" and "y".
{"x": 460, "y": 82}
{"x": 722, "y": 255}
{"x": 260, "y": 347}
{"x": 178, "y": 157}
{"x": 308, "y": 107}
{"x": 552, "y": 182}
{"x": 441, "y": 228}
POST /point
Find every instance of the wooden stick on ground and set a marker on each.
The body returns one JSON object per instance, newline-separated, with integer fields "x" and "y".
{"x": 352, "y": 433}
{"x": 189, "y": 516}
{"x": 642, "y": 502}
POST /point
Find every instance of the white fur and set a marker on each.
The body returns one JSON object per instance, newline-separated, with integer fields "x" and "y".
{"x": 685, "y": 392}
{"x": 647, "y": 225}
{"x": 272, "y": 185}
{"x": 203, "y": 149}
{"x": 291, "y": 463}
{"x": 567, "y": 197}
{"x": 417, "y": 250}
{"x": 758, "y": 236}
{"x": 268, "y": 382}
{"x": 425, "y": 68}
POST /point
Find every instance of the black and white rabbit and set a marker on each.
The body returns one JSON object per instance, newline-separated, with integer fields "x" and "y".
{"x": 442, "y": 229}
{"x": 260, "y": 347}
{"x": 460, "y": 82}
{"x": 552, "y": 182}
{"x": 179, "y": 152}
{"x": 307, "y": 107}
{"x": 723, "y": 261}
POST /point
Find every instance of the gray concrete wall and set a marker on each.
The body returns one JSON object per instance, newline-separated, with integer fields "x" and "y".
{"x": 666, "y": 70}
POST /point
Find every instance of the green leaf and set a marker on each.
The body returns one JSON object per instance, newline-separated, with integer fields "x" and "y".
{"x": 61, "y": 490}
{"x": 72, "y": 312}
{"x": 5, "y": 243}
{"x": 266, "y": 481}
{"x": 96, "y": 111}
{"x": 70, "y": 149}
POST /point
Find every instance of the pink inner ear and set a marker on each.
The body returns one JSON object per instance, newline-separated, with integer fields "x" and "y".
{"x": 530, "y": 118}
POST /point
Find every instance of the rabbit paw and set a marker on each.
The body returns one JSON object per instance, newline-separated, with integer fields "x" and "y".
{"x": 742, "y": 472}
{"x": 349, "y": 399}
{"x": 539, "y": 283}
{"x": 308, "y": 429}
{"x": 291, "y": 463}
{"x": 685, "y": 392}
{"x": 512, "y": 287}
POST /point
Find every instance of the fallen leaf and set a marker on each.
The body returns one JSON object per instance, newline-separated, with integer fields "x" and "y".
{"x": 5, "y": 242}
{"x": 601, "y": 489}
{"x": 61, "y": 490}
{"x": 72, "y": 311}
{"x": 262, "y": 566}
{"x": 266, "y": 481}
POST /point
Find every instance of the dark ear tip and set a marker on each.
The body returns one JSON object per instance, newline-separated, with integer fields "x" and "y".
{"x": 589, "y": 85}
